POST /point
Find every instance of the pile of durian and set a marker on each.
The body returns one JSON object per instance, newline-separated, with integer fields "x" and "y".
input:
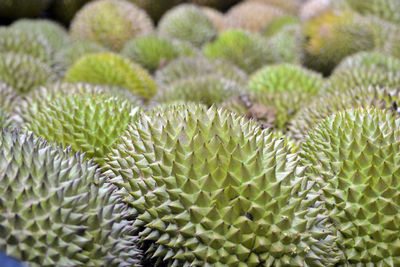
{"x": 200, "y": 133}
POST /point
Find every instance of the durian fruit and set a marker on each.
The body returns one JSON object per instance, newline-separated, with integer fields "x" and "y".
{"x": 313, "y": 8}
{"x": 289, "y": 6}
{"x": 249, "y": 51}
{"x": 90, "y": 122}
{"x": 26, "y": 42}
{"x": 24, "y": 72}
{"x": 14, "y": 9}
{"x": 110, "y": 23}
{"x": 57, "y": 210}
{"x": 369, "y": 59}
{"x": 8, "y": 97}
{"x": 209, "y": 188}
{"x": 392, "y": 45}
{"x": 285, "y": 77}
{"x": 112, "y": 69}
{"x": 217, "y": 4}
{"x": 353, "y": 158}
{"x": 353, "y": 97}
{"x": 251, "y": 16}
{"x": 188, "y": 23}
{"x": 156, "y": 8}
{"x": 332, "y": 36}
{"x": 152, "y": 52}
{"x": 5, "y": 120}
{"x": 208, "y": 90}
{"x": 287, "y": 44}
{"x": 55, "y": 34}
{"x": 386, "y": 9}
{"x": 279, "y": 23}
{"x": 216, "y": 17}
{"x": 384, "y": 32}
{"x": 65, "y": 10}
{"x": 192, "y": 67}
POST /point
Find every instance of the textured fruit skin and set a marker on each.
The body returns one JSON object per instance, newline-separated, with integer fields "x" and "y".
{"x": 110, "y": 23}
{"x": 333, "y": 35}
{"x": 278, "y": 23}
{"x": 57, "y": 209}
{"x": 351, "y": 97}
{"x": 289, "y": 6}
{"x": 24, "y": 72}
{"x": 65, "y": 10}
{"x": 152, "y": 52}
{"x": 191, "y": 67}
{"x": 210, "y": 188}
{"x": 248, "y": 51}
{"x": 353, "y": 158}
{"x": 14, "y": 9}
{"x": 385, "y": 9}
{"x": 90, "y": 122}
{"x": 5, "y": 120}
{"x": 156, "y": 8}
{"x": 286, "y": 44}
{"x": 112, "y": 69}
{"x": 188, "y": 23}
{"x": 217, "y": 18}
{"x": 8, "y": 97}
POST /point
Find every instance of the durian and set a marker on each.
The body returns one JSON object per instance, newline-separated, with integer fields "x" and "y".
{"x": 209, "y": 188}
{"x": 279, "y": 23}
{"x": 112, "y": 69}
{"x": 216, "y": 17}
{"x": 369, "y": 59}
{"x": 386, "y": 9}
{"x": 57, "y": 210}
{"x": 110, "y": 23}
{"x": 188, "y": 23}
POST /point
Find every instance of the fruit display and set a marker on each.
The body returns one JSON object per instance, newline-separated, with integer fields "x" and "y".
{"x": 190, "y": 133}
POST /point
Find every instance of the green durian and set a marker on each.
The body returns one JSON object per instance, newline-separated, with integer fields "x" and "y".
{"x": 353, "y": 158}
{"x": 386, "y": 9}
{"x": 369, "y": 59}
{"x": 215, "y": 16}
{"x": 249, "y": 51}
{"x": 24, "y": 72}
{"x": 208, "y": 90}
{"x": 286, "y": 44}
{"x": 188, "y": 23}
{"x": 191, "y": 67}
{"x": 110, "y": 23}
{"x": 278, "y": 24}
{"x": 384, "y": 32}
{"x": 14, "y": 9}
{"x": 333, "y": 35}
{"x": 5, "y": 120}
{"x": 55, "y": 34}
{"x": 8, "y": 97}
{"x": 156, "y": 8}
{"x": 152, "y": 52}
{"x": 322, "y": 107}
{"x": 209, "y": 188}
{"x": 65, "y": 10}
{"x": 57, "y": 210}
{"x": 89, "y": 122}
{"x": 112, "y": 69}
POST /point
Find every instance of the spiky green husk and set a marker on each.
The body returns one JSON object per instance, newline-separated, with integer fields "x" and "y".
{"x": 285, "y": 77}
{"x": 207, "y": 90}
{"x": 248, "y": 51}
{"x": 24, "y": 72}
{"x": 8, "y": 97}
{"x": 386, "y": 9}
{"x": 57, "y": 209}
{"x": 54, "y": 33}
{"x": 188, "y": 23}
{"x": 65, "y": 10}
{"x": 370, "y": 60}
{"x": 110, "y": 23}
{"x": 286, "y": 44}
{"x": 251, "y": 16}
{"x": 392, "y": 44}
{"x": 217, "y": 18}
{"x": 210, "y": 188}
{"x": 24, "y": 42}
{"x": 152, "y": 51}
{"x": 90, "y": 122}
{"x": 353, "y": 158}
{"x": 156, "y": 8}
{"x": 332, "y": 36}
{"x": 337, "y": 101}
{"x": 5, "y": 120}
{"x": 279, "y": 23}
{"x": 218, "y": 4}
{"x": 112, "y": 69}
{"x": 191, "y": 67}
{"x": 14, "y": 9}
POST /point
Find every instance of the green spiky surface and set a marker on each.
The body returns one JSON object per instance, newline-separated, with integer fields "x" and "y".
{"x": 8, "y": 97}
{"x": 285, "y": 77}
{"x": 152, "y": 52}
{"x": 54, "y": 33}
{"x": 190, "y": 67}
{"x": 331, "y": 103}
{"x": 90, "y": 123}
{"x": 188, "y": 23}
{"x": 392, "y": 46}
{"x": 353, "y": 158}
{"x": 286, "y": 44}
{"x": 24, "y": 72}
{"x": 248, "y": 51}
{"x": 57, "y": 209}
{"x": 14, "y": 9}
{"x": 65, "y": 10}
{"x": 209, "y": 188}
{"x": 215, "y": 16}
{"x": 5, "y": 120}
{"x": 112, "y": 69}
{"x": 332, "y": 36}
{"x": 277, "y": 24}
{"x": 110, "y": 23}
{"x": 218, "y": 4}
{"x": 24, "y": 42}
{"x": 207, "y": 90}
{"x": 156, "y": 8}
{"x": 386, "y": 9}
{"x": 369, "y": 59}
